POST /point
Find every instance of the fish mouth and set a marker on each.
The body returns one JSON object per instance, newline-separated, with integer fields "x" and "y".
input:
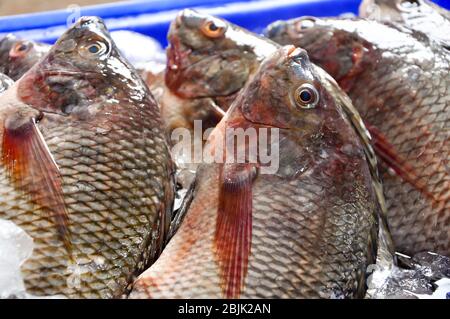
{"x": 179, "y": 67}
{"x": 174, "y": 66}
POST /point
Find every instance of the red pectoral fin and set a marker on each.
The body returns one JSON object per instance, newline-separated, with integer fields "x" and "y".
{"x": 234, "y": 226}
{"x": 33, "y": 170}
{"x": 386, "y": 152}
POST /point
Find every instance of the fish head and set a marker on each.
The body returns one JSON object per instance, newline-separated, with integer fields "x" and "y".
{"x": 18, "y": 56}
{"x": 419, "y": 15}
{"x": 393, "y": 10}
{"x": 82, "y": 71}
{"x": 209, "y": 57}
{"x": 288, "y": 93}
{"x": 331, "y": 43}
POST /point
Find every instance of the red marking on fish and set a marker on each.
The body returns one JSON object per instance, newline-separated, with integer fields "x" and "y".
{"x": 234, "y": 227}
{"x": 32, "y": 169}
{"x": 386, "y": 152}
{"x": 175, "y": 63}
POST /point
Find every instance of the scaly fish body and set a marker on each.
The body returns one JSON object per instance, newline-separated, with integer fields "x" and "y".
{"x": 420, "y": 15}
{"x": 199, "y": 43}
{"x": 85, "y": 169}
{"x": 399, "y": 83}
{"x": 18, "y": 56}
{"x": 307, "y": 230}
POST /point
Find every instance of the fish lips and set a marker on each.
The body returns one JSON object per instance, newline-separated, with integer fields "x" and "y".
{"x": 184, "y": 77}
{"x": 205, "y": 73}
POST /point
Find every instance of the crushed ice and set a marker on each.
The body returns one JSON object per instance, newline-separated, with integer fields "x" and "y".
{"x": 424, "y": 276}
{"x": 15, "y": 247}
{"x": 138, "y": 48}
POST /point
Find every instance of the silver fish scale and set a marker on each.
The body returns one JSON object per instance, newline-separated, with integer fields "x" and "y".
{"x": 401, "y": 87}
{"x": 307, "y": 240}
{"x": 410, "y": 104}
{"x": 115, "y": 197}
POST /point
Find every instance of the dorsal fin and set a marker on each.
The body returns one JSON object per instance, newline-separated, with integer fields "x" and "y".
{"x": 234, "y": 226}
{"x": 33, "y": 170}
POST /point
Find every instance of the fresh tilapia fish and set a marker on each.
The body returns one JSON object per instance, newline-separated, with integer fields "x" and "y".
{"x": 215, "y": 51}
{"x": 85, "y": 168}
{"x": 5, "y": 82}
{"x": 17, "y": 56}
{"x": 399, "y": 83}
{"x": 209, "y": 60}
{"x": 211, "y": 57}
{"x": 303, "y": 227}
{"x": 419, "y": 15}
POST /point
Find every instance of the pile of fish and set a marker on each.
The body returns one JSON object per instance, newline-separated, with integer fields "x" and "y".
{"x": 118, "y": 178}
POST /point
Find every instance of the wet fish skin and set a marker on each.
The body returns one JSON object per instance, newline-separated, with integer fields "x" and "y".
{"x": 5, "y": 82}
{"x": 313, "y": 223}
{"x": 180, "y": 112}
{"x": 17, "y": 56}
{"x": 203, "y": 73}
{"x": 203, "y": 66}
{"x": 424, "y": 16}
{"x": 398, "y": 80}
{"x": 244, "y": 45}
{"x": 103, "y": 129}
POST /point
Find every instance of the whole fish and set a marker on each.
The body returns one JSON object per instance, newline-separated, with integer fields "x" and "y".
{"x": 18, "y": 56}
{"x": 307, "y": 229}
{"x": 399, "y": 83}
{"x": 5, "y": 82}
{"x": 85, "y": 168}
{"x": 419, "y": 15}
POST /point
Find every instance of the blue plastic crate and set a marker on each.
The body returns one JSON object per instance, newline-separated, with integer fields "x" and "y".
{"x": 152, "y": 17}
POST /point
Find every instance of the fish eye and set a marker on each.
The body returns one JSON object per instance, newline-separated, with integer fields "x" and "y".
{"x": 305, "y": 23}
{"x": 306, "y": 96}
{"x": 213, "y": 29}
{"x": 20, "y": 48}
{"x": 407, "y": 5}
{"x": 95, "y": 49}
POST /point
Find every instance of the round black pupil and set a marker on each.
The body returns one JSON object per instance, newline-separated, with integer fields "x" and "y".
{"x": 213, "y": 27}
{"x": 305, "y": 96}
{"x": 22, "y": 47}
{"x": 410, "y": 4}
{"x": 94, "y": 49}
